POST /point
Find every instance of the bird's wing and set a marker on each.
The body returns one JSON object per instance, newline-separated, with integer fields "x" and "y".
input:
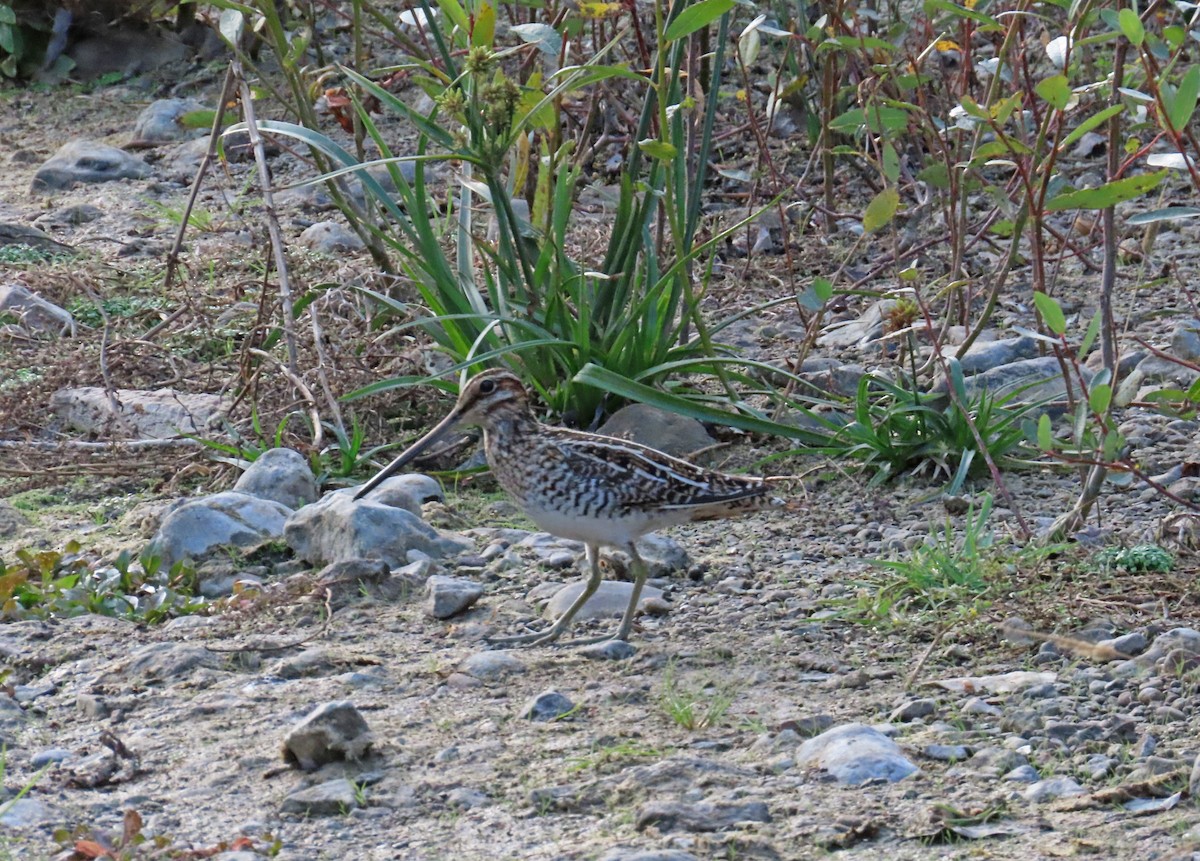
{"x": 639, "y": 477}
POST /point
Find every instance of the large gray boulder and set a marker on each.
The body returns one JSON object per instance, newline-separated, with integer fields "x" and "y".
{"x": 338, "y": 527}
{"x": 84, "y": 161}
{"x": 281, "y": 474}
{"x": 136, "y": 414}
{"x": 200, "y": 527}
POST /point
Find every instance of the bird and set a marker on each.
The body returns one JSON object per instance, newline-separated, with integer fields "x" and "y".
{"x": 600, "y": 490}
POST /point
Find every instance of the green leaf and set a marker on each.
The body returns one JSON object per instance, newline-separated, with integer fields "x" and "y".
{"x": 881, "y": 209}
{"x": 1089, "y": 337}
{"x": 547, "y": 39}
{"x": 696, "y": 16}
{"x": 1169, "y": 213}
{"x": 1107, "y": 195}
{"x": 1052, "y": 314}
{"x": 877, "y": 119}
{"x": 1045, "y": 436}
{"x": 1182, "y": 103}
{"x": 483, "y": 34}
{"x": 818, "y": 293}
{"x": 891, "y": 163}
{"x": 1056, "y": 90}
{"x": 958, "y": 11}
{"x": 660, "y": 150}
{"x": 1099, "y": 398}
{"x": 7, "y": 15}
{"x": 1090, "y": 123}
{"x": 1131, "y": 25}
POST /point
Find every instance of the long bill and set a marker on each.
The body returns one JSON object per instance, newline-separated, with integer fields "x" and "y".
{"x": 413, "y": 451}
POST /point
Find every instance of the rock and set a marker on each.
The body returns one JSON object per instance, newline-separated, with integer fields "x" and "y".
{"x": 281, "y": 474}
{"x": 27, "y": 813}
{"x": 449, "y": 596}
{"x": 1131, "y": 644}
{"x": 622, "y": 853}
{"x": 330, "y": 237}
{"x": 1185, "y": 340}
{"x": 409, "y": 491}
{"x": 913, "y": 709}
{"x": 663, "y": 555}
{"x": 995, "y": 761}
{"x": 985, "y": 355}
{"x": 84, "y": 161}
{"x": 1029, "y": 381}
{"x": 164, "y": 662}
{"x": 855, "y": 754}
{"x": 316, "y": 661}
{"x": 331, "y": 732}
{"x": 34, "y": 314}
{"x": 946, "y": 752}
{"x": 1001, "y": 683}
{"x": 546, "y": 706}
{"x": 12, "y": 520}
{"x": 12, "y": 233}
{"x": 332, "y": 798}
{"x": 136, "y": 414}
{"x": 125, "y": 49}
{"x": 352, "y": 580}
{"x": 1022, "y": 774}
{"x": 608, "y": 650}
{"x": 201, "y": 527}
{"x": 676, "y": 435}
{"x": 1048, "y": 790}
{"x": 701, "y": 816}
{"x": 50, "y": 755}
{"x": 464, "y": 798}
{"x": 338, "y": 527}
{"x": 491, "y": 665}
{"x": 861, "y": 332}
{"x": 160, "y": 121}
{"x": 828, "y": 375}
{"x": 610, "y": 599}
{"x": 68, "y": 216}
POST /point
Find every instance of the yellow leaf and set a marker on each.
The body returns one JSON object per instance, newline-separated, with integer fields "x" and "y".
{"x": 741, "y": 95}
{"x": 947, "y": 45}
{"x": 599, "y": 10}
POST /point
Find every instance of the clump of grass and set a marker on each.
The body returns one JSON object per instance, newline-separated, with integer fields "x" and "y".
{"x": 694, "y": 708}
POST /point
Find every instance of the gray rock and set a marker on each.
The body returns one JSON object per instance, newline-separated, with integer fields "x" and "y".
{"x": 828, "y": 375}
{"x": 70, "y": 216}
{"x": 315, "y": 661}
{"x": 32, "y": 313}
{"x": 861, "y": 332}
{"x": 332, "y": 798}
{"x": 330, "y": 237}
{"x": 1022, "y": 774}
{"x": 409, "y": 491}
{"x": 1029, "y": 381}
{"x": 12, "y": 520}
{"x": 622, "y": 853}
{"x": 854, "y": 754}
{"x": 338, "y": 527}
{"x": 1185, "y": 340}
{"x": 449, "y": 596}
{"x": 28, "y": 693}
{"x": 50, "y": 755}
{"x": 663, "y": 555}
{"x": 164, "y": 662}
{"x": 201, "y": 527}
{"x": 701, "y": 816}
{"x": 329, "y": 733}
{"x": 610, "y": 599}
{"x": 84, "y": 161}
{"x": 946, "y": 752}
{"x": 27, "y": 813}
{"x": 491, "y": 665}
{"x": 160, "y": 121}
{"x": 995, "y": 761}
{"x": 131, "y": 413}
{"x": 280, "y": 474}
{"x": 985, "y": 355}
{"x": 608, "y": 650}
{"x": 913, "y": 709}
{"x": 546, "y": 706}
{"x": 465, "y": 798}
{"x": 1052, "y": 788}
{"x": 13, "y": 233}
{"x": 676, "y": 435}
{"x": 1132, "y": 644}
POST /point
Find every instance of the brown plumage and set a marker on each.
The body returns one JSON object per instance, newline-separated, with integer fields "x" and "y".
{"x": 596, "y": 489}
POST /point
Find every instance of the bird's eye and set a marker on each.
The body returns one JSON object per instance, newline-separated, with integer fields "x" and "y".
{"x": 487, "y": 387}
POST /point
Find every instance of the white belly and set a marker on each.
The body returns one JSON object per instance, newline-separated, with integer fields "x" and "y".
{"x": 616, "y": 532}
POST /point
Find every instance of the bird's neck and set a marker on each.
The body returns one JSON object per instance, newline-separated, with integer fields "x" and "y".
{"x": 505, "y": 426}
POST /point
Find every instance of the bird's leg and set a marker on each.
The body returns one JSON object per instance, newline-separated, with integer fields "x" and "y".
{"x": 639, "y": 580}
{"x": 555, "y": 631}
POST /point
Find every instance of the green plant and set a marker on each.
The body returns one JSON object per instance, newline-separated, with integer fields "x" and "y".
{"x": 1139, "y": 558}
{"x": 694, "y": 708}
{"x": 895, "y": 429}
{"x": 608, "y": 757}
{"x": 346, "y": 456}
{"x": 49, "y": 583}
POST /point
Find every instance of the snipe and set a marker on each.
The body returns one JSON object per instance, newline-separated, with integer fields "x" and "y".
{"x": 596, "y": 489}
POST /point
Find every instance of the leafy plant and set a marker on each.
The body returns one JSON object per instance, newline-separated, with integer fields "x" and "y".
{"x": 48, "y": 583}
{"x": 1139, "y": 558}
